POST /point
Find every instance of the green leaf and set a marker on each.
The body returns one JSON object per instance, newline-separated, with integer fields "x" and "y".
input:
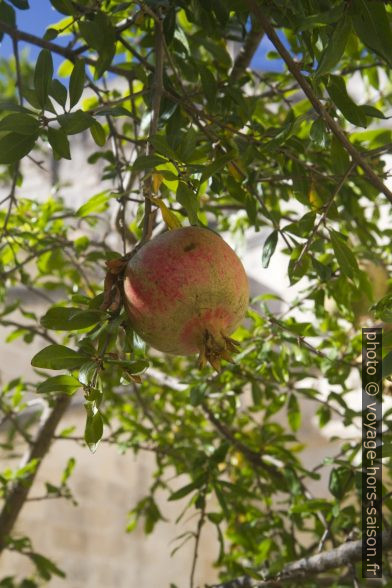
{"x": 63, "y": 6}
{"x": 187, "y": 489}
{"x": 94, "y": 430}
{"x": 335, "y": 47}
{"x": 45, "y": 567}
{"x": 387, "y": 365}
{"x": 161, "y": 145}
{"x": 296, "y": 270}
{"x": 7, "y": 15}
{"x": 169, "y": 25}
{"x": 188, "y": 199}
{"x": 59, "y": 142}
{"x": 269, "y": 248}
{"x": 147, "y": 162}
{"x": 215, "y": 166}
{"x": 43, "y": 74}
{"x": 59, "y": 92}
{"x": 303, "y": 226}
{"x": 209, "y": 84}
{"x": 70, "y": 319}
{"x": 58, "y": 357}
{"x": 97, "y": 203}
{"x": 98, "y": 133}
{"x": 372, "y": 111}
{"x": 14, "y": 146}
{"x": 76, "y": 83}
{"x": 21, "y": 4}
{"x": 352, "y": 112}
{"x": 9, "y": 106}
{"x": 372, "y": 25}
{"x": 339, "y": 157}
{"x": 50, "y": 34}
{"x": 75, "y": 122}
{"x": 318, "y": 133}
{"x": 340, "y": 481}
{"x": 23, "y": 124}
{"x": 293, "y": 413}
{"x": 136, "y": 367}
{"x": 324, "y": 414}
{"x": 101, "y": 36}
{"x": 345, "y": 257}
{"x": 64, "y": 384}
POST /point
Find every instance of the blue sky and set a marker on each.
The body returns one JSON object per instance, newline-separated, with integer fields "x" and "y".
{"x": 42, "y": 14}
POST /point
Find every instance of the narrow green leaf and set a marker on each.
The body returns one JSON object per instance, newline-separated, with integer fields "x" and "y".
{"x": 318, "y": 133}
{"x": 101, "y": 36}
{"x": 345, "y": 257}
{"x": 97, "y": 203}
{"x": 340, "y": 481}
{"x": 188, "y": 199}
{"x": 64, "y": 384}
{"x": 63, "y": 6}
{"x": 75, "y": 122}
{"x": 9, "y": 106}
{"x": 76, "y": 83}
{"x": 50, "y": 34}
{"x": 21, "y": 123}
{"x": 162, "y": 146}
{"x": 303, "y": 226}
{"x": 215, "y": 166}
{"x": 187, "y": 489}
{"x": 293, "y": 413}
{"x": 21, "y": 4}
{"x": 339, "y": 157}
{"x": 335, "y": 47}
{"x": 147, "y": 162}
{"x": 58, "y": 357}
{"x": 352, "y": 112}
{"x": 372, "y": 25}
{"x": 136, "y": 367}
{"x": 59, "y": 92}
{"x": 43, "y": 74}
{"x": 94, "y": 430}
{"x": 45, "y": 566}
{"x": 269, "y": 248}
{"x": 59, "y": 142}
{"x": 70, "y": 319}
{"x": 169, "y": 25}
{"x": 7, "y": 15}
{"x": 98, "y": 133}
{"x": 372, "y": 111}
{"x": 387, "y": 365}
{"x": 14, "y": 146}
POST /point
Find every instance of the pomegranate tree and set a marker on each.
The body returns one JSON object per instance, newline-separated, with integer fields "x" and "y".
{"x": 185, "y": 292}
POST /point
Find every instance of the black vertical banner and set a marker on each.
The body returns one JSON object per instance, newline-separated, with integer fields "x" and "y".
{"x": 371, "y": 452}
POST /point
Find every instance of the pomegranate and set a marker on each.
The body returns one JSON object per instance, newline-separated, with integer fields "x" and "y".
{"x": 185, "y": 292}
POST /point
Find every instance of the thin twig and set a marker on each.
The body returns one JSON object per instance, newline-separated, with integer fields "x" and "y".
{"x": 197, "y": 541}
{"x": 324, "y": 215}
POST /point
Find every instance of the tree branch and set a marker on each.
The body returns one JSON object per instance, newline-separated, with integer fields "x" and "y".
{"x": 343, "y": 555}
{"x": 71, "y": 54}
{"x": 16, "y": 498}
{"x": 293, "y": 67}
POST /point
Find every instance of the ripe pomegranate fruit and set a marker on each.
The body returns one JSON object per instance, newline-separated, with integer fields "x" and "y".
{"x": 185, "y": 292}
